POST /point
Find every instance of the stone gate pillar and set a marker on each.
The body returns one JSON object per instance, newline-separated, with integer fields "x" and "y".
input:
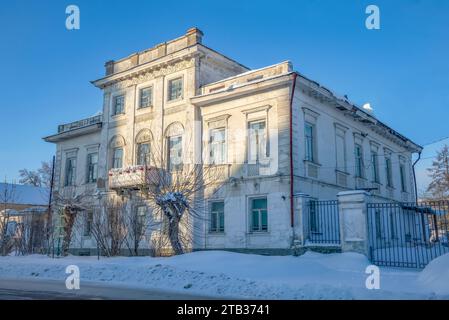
{"x": 352, "y": 210}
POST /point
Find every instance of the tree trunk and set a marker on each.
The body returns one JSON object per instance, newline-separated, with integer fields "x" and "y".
{"x": 69, "y": 219}
{"x": 173, "y": 235}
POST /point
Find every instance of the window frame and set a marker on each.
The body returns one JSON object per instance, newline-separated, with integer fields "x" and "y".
{"x": 260, "y": 226}
{"x": 402, "y": 177}
{"x": 150, "y": 100}
{"x": 175, "y": 167}
{"x": 113, "y": 166}
{"x": 222, "y": 146}
{"x": 389, "y": 171}
{"x": 219, "y": 217}
{"x": 170, "y": 87}
{"x": 147, "y": 155}
{"x": 359, "y": 163}
{"x": 114, "y": 104}
{"x": 70, "y": 179}
{"x": 310, "y": 142}
{"x": 375, "y": 166}
{"x": 89, "y": 167}
{"x": 266, "y": 154}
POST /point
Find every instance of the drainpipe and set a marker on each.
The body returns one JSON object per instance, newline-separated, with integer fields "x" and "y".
{"x": 292, "y": 210}
{"x": 414, "y": 177}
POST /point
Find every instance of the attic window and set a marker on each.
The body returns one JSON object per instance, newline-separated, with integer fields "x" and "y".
{"x": 216, "y": 88}
{"x": 255, "y": 78}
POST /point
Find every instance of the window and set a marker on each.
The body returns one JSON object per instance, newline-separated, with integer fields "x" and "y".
{"x": 146, "y": 97}
{"x": 174, "y": 153}
{"x": 88, "y": 223}
{"x": 143, "y": 154}
{"x": 175, "y": 89}
{"x": 92, "y": 166}
{"x": 257, "y": 141}
{"x": 374, "y": 166}
{"x": 117, "y": 158}
{"x": 358, "y": 161}
{"x": 310, "y": 141}
{"x": 341, "y": 152}
{"x": 70, "y": 172}
{"x": 217, "y": 217}
{"x": 119, "y": 105}
{"x": 141, "y": 215}
{"x": 403, "y": 181}
{"x": 259, "y": 217}
{"x": 217, "y": 146}
{"x": 11, "y": 228}
{"x": 388, "y": 170}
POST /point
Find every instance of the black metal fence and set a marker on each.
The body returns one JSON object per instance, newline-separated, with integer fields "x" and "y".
{"x": 407, "y": 234}
{"x": 322, "y": 221}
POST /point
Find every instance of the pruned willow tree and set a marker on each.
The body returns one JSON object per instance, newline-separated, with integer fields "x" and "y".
{"x": 176, "y": 192}
{"x": 69, "y": 204}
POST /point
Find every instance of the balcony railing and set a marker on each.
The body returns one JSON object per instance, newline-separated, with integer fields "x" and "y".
{"x": 133, "y": 177}
{"x": 80, "y": 124}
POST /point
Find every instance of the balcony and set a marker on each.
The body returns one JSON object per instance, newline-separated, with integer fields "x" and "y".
{"x": 133, "y": 177}
{"x": 80, "y": 124}
{"x": 73, "y": 129}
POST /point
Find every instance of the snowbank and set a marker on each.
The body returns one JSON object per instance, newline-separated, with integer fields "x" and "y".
{"x": 435, "y": 275}
{"x": 226, "y": 274}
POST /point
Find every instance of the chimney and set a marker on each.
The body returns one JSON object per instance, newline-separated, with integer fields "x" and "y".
{"x": 194, "y": 36}
{"x": 109, "y": 66}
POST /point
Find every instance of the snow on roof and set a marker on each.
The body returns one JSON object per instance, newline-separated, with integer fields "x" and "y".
{"x": 25, "y": 194}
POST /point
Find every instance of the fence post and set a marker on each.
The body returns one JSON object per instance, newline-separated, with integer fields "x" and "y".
{"x": 352, "y": 210}
{"x": 301, "y": 230}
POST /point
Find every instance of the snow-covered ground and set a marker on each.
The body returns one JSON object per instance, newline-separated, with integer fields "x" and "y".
{"x": 226, "y": 274}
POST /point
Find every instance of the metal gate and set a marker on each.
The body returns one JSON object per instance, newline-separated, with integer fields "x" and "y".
{"x": 407, "y": 234}
{"x": 323, "y": 226}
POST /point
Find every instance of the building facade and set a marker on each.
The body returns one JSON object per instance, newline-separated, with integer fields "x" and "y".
{"x": 273, "y": 133}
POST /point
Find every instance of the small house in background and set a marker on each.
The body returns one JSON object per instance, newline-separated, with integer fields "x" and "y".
{"x": 23, "y": 210}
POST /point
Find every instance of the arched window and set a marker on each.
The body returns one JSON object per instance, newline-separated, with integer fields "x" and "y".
{"x": 143, "y": 147}
{"x": 116, "y": 145}
{"x": 173, "y": 136}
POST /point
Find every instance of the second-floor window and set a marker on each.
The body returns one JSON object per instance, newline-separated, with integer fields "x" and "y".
{"x": 119, "y": 105}
{"x": 309, "y": 133}
{"x": 117, "y": 158}
{"x": 403, "y": 180}
{"x": 146, "y": 97}
{"x": 257, "y": 141}
{"x": 174, "y": 153}
{"x": 375, "y": 167}
{"x": 175, "y": 89}
{"x": 389, "y": 172}
{"x": 217, "y": 146}
{"x": 92, "y": 167}
{"x": 143, "y": 153}
{"x": 358, "y": 151}
{"x": 70, "y": 171}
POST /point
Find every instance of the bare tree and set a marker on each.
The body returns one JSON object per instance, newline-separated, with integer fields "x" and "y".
{"x": 109, "y": 226}
{"x": 39, "y": 178}
{"x": 176, "y": 192}
{"x": 7, "y": 197}
{"x": 439, "y": 172}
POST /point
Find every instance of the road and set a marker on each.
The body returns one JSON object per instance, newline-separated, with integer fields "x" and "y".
{"x": 32, "y": 289}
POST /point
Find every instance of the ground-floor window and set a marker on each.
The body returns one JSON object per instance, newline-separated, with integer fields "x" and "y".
{"x": 259, "y": 214}
{"x": 88, "y": 223}
{"x": 217, "y": 216}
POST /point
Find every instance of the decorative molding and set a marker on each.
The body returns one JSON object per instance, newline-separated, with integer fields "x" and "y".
{"x": 146, "y": 75}
{"x": 257, "y": 109}
{"x": 175, "y": 109}
{"x": 117, "y": 141}
{"x": 145, "y": 117}
{"x": 144, "y": 135}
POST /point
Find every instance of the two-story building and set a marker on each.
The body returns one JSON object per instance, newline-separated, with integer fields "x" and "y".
{"x": 273, "y": 132}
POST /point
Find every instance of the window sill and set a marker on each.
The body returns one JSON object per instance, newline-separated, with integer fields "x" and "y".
{"x": 118, "y": 115}
{"x": 342, "y": 172}
{"x": 258, "y": 233}
{"x": 180, "y": 99}
{"x": 217, "y": 233}
{"x": 149, "y": 107}
{"x": 312, "y": 163}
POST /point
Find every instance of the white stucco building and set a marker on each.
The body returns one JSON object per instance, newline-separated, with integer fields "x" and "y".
{"x": 274, "y": 132}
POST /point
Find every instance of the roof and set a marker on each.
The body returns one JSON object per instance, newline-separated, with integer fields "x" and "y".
{"x": 24, "y": 194}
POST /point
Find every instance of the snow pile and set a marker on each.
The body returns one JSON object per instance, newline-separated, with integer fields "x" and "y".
{"x": 436, "y": 275}
{"x": 226, "y": 274}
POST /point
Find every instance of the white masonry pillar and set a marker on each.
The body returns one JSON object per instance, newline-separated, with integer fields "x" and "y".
{"x": 352, "y": 210}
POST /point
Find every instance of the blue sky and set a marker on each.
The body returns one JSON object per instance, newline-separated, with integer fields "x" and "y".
{"x": 401, "y": 69}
